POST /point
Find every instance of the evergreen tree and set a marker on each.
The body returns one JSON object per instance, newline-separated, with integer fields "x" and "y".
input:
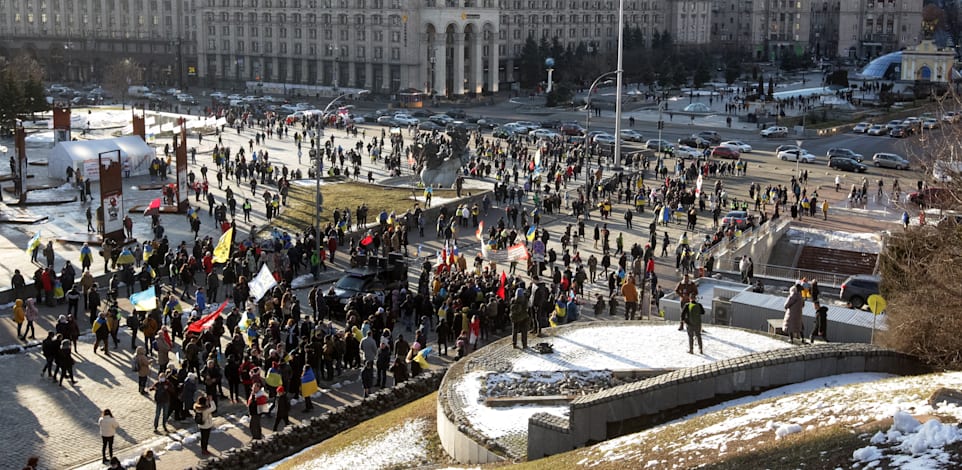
{"x": 702, "y": 75}
{"x": 530, "y": 64}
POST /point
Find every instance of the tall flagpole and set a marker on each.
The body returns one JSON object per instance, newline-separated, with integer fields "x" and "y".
{"x": 619, "y": 83}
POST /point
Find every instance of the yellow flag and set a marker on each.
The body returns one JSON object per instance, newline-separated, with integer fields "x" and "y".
{"x": 222, "y": 250}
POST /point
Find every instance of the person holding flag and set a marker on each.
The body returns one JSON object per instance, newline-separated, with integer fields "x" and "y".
{"x": 308, "y": 387}
{"x": 33, "y": 247}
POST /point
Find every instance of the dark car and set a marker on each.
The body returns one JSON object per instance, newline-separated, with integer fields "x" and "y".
{"x": 843, "y": 152}
{"x": 846, "y": 164}
{"x": 502, "y": 132}
{"x": 552, "y": 124}
{"x": 725, "y": 152}
{"x": 694, "y": 141}
{"x": 711, "y": 136}
{"x": 571, "y": 129}
{"x": 899, "y": 132}
{"x": 378, "y": 279}
{"x": 430, "y": 126}
{"x": 932, "y": 197}
{"x": 856, "y": 289}
{"x": 456, "y": 113}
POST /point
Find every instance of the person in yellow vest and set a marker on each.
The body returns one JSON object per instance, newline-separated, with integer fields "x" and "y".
{"x": 825, "y": 209}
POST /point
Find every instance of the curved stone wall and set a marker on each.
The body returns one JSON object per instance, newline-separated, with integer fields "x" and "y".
{"x": 635, "y": 406}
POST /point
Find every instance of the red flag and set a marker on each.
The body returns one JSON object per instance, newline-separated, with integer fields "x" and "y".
{"x": 504, "y": 279}
{"x": 155, "y": 204}
{"x": 207, "y": 321}
{"x": 367, "y": 240}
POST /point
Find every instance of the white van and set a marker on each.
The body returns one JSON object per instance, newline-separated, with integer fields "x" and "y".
{"x": 305, "y": 114}
{"x": 137, "y": 91}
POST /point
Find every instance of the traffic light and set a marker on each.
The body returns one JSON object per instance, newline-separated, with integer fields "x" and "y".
{"x": 661, "y": 125}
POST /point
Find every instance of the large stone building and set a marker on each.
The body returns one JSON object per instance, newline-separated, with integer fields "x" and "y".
{"x": 448, "y": 46}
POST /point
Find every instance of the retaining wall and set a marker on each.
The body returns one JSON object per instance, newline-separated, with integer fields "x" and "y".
{"x": 296, "y": 438}
{"x": 632, "y": 407}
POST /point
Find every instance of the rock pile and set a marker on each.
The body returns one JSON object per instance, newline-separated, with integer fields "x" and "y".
{"x": 545, "y": 383}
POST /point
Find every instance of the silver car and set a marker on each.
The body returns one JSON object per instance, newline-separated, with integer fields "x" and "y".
{"x": 890, "y": 160}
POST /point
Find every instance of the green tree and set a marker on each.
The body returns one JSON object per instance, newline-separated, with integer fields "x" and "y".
{"x": 122, "y": 74}
{"x": 732, "y": 72}
{"x": 11, "y": 99}
{"x": 838, "y": 77}
{"x": 530, "y": 64}
{"x": 560, "y": 95}
{"x": 34, "y": 99}
{"x": 702, "y": 75}
{"x": 771, "y": 87}
{"x": 761, "y": 85}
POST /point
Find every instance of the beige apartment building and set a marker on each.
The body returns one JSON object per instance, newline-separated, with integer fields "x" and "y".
{"x": 446, "y": 46}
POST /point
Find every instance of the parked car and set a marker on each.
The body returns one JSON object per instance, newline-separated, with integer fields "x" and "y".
{"x": 544, "y": 134}
{"x": 893, "y": 124}
{"x": 604, "y": 139}
{"x": 430, "y": 126}
{"x": 782, "y": 148}
{"x": 856, "y": 289}
{"x": 529, "y": 125}
{"x": 660, "y": 145}
{"x": 899, "y": 132}
{"x": 685, "y": 152}
{"x": 572, "y": 129}
{"x": 844, "y": 152}
{"x": 386, "y": 121}
{"x": 930, "y": 123}
{"x": 711, "y": 136}
{"x": 775, "y": 131}
{"x": 550, "y": 124}
{"x": 801, "y": 155}
{"x": 465, "y": 126}
{"x": 737, "y": 218}
{"x": 723, "y": 151}
{"x": 846, "y": 164}
{"x": 742, "y": 147}
{"x": 404, "y": 119}
{"x": 861, "y": 127}
{"x": 932, "y": 197}
{"x": 217, "y": 95}
{"x": 442, "y": 119}
{"x": 502, "y": 132}
{"x": 951, "y": 116}
{"x": 631, "y": 135}
{"x": 456, "y": 113}
{"x": 877, "y": 129}
{"x": 694, "y": 141}
{"x": 890, "y": 160}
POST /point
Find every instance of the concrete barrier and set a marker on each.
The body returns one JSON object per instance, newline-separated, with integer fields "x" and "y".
{"x": 636, "y": 406}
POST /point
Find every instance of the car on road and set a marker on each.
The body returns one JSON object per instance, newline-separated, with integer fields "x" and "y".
{"x": 544, "y": 134}
{"x": 846, "y": 164}
{"x": 951, "y": 117}
{"x": 737, "y": 218}
{"x": 442, "y": 119}
{"x": 528, "y": 125}
{"x": 930, "y": 123}
{"x": 893, "y": 124}
{"x": 844, "y": 152}
{"x": 742, "y": 147}
{"x": 406, "y": 119}
{"x": 694, "y": 141}
{"x": 775, "y": 131}
{"x": 550, "y": 124}
{"x": 784, "y": 147}
{"x": 877, "y": 129}
{"x": 571, "y": 129}
{"x": 685, "y": 152}
{"x": 502, "y": 132}
{"x": 465, "y": 126}
{"x": 235, "y": 96}
{"x": 856, "y": 289}
{"x": 724, "y": 151}
{"x": 366, "y": 281}
{"x": 890, "y": 160}
{"x": 172, "y": 91}
{"x": 801, "y": 155}
{"x": 861, "y": 127}
{"x": 932, "y": 197}
{"x": 632, "y": 135}
{"x": 184, "y": 98}
{"x": 430, "y": 126}
{"x": 456, "y": 113}
{"x": 386, "y": 121}
{"x": 711, "y": 136}
{"x": 605, "y": 139}
{"x": 217, "y": 95}
{"x": 660, "y": 145}
{"x": 900, "y": 132}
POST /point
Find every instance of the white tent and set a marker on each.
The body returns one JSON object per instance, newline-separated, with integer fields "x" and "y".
{"x": 84, "y": 156}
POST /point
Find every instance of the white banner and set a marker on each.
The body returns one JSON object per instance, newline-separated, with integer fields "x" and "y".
{"x": 263, "y": 282}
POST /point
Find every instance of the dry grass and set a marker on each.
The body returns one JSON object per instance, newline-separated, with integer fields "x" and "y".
{"x": 425, "y": 408}
{"x": 342, "y": 194}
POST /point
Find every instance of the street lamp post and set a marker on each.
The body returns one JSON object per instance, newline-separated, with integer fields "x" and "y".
{"x": 798, "y": 155}
{"x": 591, "y": 90}
{"x": 619, "y": 82}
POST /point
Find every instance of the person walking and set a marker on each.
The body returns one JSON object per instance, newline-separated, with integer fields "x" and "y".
{"x": 163, "y": 389}
{"x": 204, "y": 417}
{"x": 146, "y": 461}
{"x": 792, "y": 323}
{"x": 65, "y": 362}
{"x": 283, "y": 404}
{"x": 108, "y": 428}
{"x": 691, "y": 315}
{"x": 142, "y": 363}
{"x": 19, "y": 317}
{"x": 687, "y": 292}
{"x": 519, "y": 319}
{"x": 31, "y": 313}
{"x": 820, "y": 327}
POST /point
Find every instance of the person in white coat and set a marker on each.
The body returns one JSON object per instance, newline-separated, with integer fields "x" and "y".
{"x": 108, "y": 429}
{"x": 204, "y": 417}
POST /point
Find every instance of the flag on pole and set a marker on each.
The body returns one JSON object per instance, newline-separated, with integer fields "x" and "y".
{"x": 206, "y": 321}
{"x": 34, "y": 243}
{"x": 480, "y": 232}
{"x": 504, "y": 279}
{"x": 308, "y": 383}
{"x": 222, "y": 250}
{"x": 261, "y": 283}
{"x": 144, "y": 301}
{"x": 531, "y": 233}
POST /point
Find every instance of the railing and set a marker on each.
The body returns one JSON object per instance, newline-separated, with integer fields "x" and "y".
{"x": 794, "y": 274}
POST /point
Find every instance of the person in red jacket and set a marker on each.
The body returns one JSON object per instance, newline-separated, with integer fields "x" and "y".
{"x": 256, "y": 404}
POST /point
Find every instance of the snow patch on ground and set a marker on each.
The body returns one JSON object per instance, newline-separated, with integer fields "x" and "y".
{"x": 302, "y": 281}
{"x": 808, "y": 406}
{"x": 867, "y": 242}
{"x": 407, "y": 444}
